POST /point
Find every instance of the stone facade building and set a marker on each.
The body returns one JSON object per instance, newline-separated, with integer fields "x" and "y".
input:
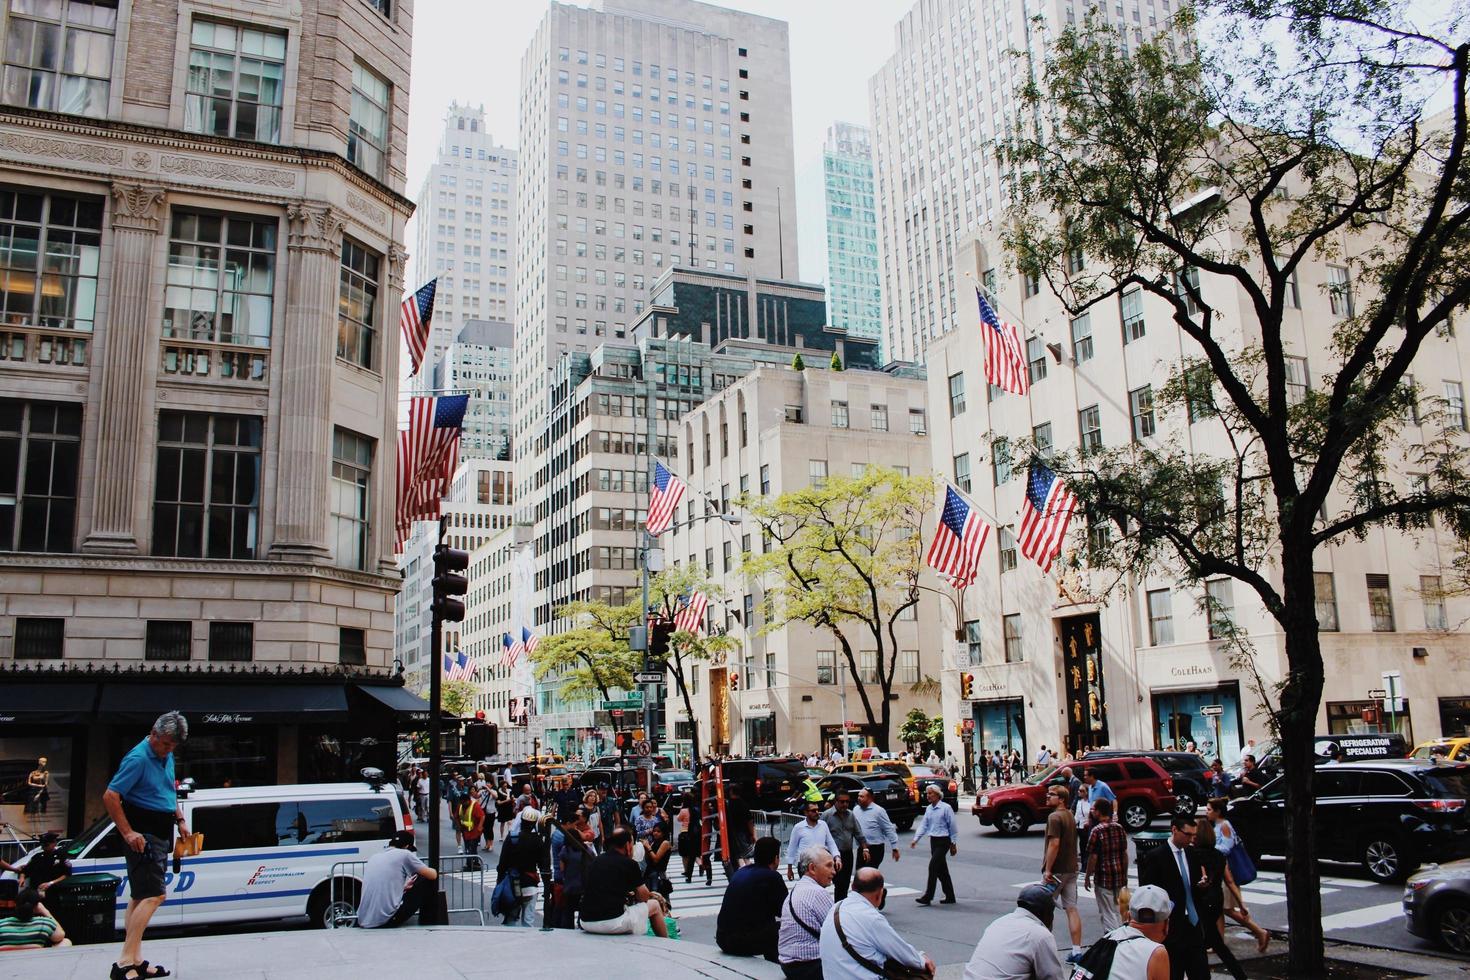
{"x": 200, "y": 215}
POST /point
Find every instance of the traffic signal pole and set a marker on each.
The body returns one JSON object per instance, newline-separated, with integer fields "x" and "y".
{"x": 449, "y": 582}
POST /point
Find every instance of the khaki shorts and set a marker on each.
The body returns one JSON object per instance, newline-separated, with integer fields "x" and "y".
{"x": 1067, "y": 891}
{"x": 633, "y": 922}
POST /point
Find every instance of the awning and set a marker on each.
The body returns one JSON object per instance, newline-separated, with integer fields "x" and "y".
{"x": 408, "y": 708}
{"x": 29, "y": 703}
{"x": 225, "y": 703}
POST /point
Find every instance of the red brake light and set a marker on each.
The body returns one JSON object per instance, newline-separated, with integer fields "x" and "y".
{"x": 757, "y": 784}
{"x": 1441, "y": 806}
{"x": 1169, "y": 783}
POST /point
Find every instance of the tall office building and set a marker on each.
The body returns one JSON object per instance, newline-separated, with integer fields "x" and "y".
{"x": 854, "y": 300}
{"x": 479, "y": 362}
{"x": 465, "y": 229}
{"x": 938, "y": 105}
{"x": 653, "y": 134}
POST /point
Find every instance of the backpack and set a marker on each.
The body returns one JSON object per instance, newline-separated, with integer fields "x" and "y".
{"x": 1097, "y": 962}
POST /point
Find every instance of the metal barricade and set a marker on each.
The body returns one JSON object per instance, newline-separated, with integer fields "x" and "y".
{"x": 343, "y": 894}
{"x": 775, "y": 823}
{"x": 461, "y": 881}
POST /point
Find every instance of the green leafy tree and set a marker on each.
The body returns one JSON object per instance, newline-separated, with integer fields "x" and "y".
{"x": 845, "y": 559}
{"x": 686, "y": 648}
{"x": 797, "y": 364}
{"x": 836, "y": 364}
{"x": 456, "y": 698}
{"x": 1241, "y": 162}
{"x": 914, "y": 732}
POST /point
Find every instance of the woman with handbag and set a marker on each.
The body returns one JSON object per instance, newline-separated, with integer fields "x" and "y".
{"x": 1209, "y": 896}
{"x": 1242, "y": 869}
{"x": 656, "y": 853}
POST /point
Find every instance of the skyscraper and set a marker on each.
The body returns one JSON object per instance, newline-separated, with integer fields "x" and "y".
{"x": 853, "y": 294}
{"x": 465, "y": 230}
{"x": 653, "y": 134}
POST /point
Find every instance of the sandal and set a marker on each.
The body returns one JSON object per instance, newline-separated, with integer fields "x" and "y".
{"x": 147, "y": 971}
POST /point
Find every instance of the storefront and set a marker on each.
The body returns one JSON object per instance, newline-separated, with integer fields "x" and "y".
{"x": 999, "y": 724}
{"x": 1454, "y": 717}
{"x": 1179, "y": 719}
{"x": 760, "y": 734}
{"x": 1368, "y": 718}
{"x": 43, "y": 743}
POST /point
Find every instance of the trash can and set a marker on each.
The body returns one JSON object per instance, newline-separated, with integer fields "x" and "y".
{"x": 85, "y": 906}
{"x": 1146, "y": 841}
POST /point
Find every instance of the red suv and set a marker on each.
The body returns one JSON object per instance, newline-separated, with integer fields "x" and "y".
{"x": 1142, "y": 787}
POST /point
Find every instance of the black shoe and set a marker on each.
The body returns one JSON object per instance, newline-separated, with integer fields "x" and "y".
{"x": 924, "y": 901}
{"x": 946, "y": 901}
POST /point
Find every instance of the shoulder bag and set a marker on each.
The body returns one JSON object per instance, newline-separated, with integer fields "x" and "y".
{"x": 891, "y": 968}
{"x": 814, "y": 933}
{"x": 1242, "y": 868}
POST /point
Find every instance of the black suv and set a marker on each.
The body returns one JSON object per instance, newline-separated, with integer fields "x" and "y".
{"x": 1390, "y": 815}
{"x": 765, "y": 784}
{"x": 1190, "y": 773}
{"x": 889, "y": 791}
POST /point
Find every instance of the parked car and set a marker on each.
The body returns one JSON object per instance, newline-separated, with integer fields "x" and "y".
{"x": 1357, "y": 747}
{"x": 926, "y": 776}
{"x": 1449, "y": 749}
{"x": 1141, "y": 785}
{"x": 765, "y": 784}
{"x": 889, "y": 791}
{"x": 1190, "y": 772}
{"x": 886, "y": 765}
{"x": 1437, "y": 905}
{"x": 1390, "y": 815}
{"x": 611, "y": 761}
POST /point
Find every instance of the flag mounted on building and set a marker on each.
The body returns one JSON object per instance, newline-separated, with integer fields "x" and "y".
{"x": 414, "y": 317}
{"x": 691, "y": 616}
{"x": 529, "y": 641}
{"x": 1045, "y": 514}
{"x": 459, "y": 666}
{"x": 1005, "y": 355}
{"x": 428, "y": 452}
{"x": 663, "y": 498}
{"x": 510, "y": 650}
{"x": 958, "y": 540}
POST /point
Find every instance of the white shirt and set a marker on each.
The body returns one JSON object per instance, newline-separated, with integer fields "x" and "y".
{"x": 1015, "y": 947}
{"x": 869, "y": 934}
{"x": 1130, "y": 959}
{"x": 804, "y": 835}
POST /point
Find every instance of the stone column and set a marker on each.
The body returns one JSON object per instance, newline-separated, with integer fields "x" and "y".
{"x": 304, "y": 371}
{"x": 126, "y": 375}
{"x": 385, "y": 468}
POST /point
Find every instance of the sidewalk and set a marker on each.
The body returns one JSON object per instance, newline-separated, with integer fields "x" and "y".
{"x": 439, "y": 953}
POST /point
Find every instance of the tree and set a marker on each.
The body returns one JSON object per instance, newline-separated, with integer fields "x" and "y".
{"x": 667, "y": 593}
{"x": 797, "y": 364}
{"x": 1242, "y": 162}
{"x": 836, "y": 364}
{"x": 456, "y": 698}
{"x": 845, "y": 559}
{"x": 914, "y": 732}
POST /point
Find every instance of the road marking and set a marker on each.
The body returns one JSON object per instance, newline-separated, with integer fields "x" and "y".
{"x": 1357, "y": 918}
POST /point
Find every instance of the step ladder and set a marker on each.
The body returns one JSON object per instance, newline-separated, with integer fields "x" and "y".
{"x": 712, "y": 807}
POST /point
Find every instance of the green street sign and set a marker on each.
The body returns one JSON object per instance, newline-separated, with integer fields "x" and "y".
{"x": 635, "y": 700}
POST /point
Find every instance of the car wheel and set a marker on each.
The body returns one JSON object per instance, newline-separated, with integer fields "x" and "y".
{"x": 904, "y": 825}
{"x": 1185, "y": 805}
{"x": 1136, "y": 815}
{"x": 329, "y": 911}
{"x": 1383, "y": 858}
{"x": 1452, "y": 925}
{"x": 1012, "y": 821}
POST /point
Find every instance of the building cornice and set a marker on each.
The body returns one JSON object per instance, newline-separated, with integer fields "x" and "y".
{"x": 234, "y": 673}
{"x": 150, "y": 565}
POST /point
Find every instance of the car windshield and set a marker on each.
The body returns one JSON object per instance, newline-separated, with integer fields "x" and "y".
{"x": 925, "y": 771}
{"x": 93, "y": 832}
{"x": 1449, "y": 784}
{"x": 1037, "y": 778}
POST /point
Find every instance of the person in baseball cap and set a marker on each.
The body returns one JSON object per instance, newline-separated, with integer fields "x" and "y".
{"x": 396, "y": 885}
{"x": 1020, "y": 944}
{"x": 1139, "y": 953}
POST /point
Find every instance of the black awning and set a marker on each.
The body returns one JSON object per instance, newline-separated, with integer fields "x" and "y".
{"x": 226, "y": 703}
{"x": 32, "y": 703}
{"x": 407, "y": 707}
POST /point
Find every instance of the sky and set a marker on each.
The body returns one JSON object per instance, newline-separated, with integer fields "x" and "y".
{"x": 471, "y": 52}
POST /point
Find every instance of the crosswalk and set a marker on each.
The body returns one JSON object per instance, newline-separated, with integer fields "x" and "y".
{"x": 696, "y": 899}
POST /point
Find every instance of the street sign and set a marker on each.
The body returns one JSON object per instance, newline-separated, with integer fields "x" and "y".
{"x": 1377, "y": 694}
{"x": 616, "y": 712}
{"x": 1212, "y": 710}
{"x": 643, "y": 748}
{"x": 649, "y": 678}
{"x": 634, "y": 700}
{"x": 969, "y": 724}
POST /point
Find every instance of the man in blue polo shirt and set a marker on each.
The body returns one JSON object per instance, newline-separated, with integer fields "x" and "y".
{"x": 142, "y": 803}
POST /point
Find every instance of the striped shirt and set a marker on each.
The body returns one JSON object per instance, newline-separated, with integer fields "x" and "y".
{"x": 808, "y": 903}
{"x": 35, "y": 931}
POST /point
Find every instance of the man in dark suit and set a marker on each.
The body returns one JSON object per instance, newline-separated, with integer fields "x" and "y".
{"x": 1173, "y": 868}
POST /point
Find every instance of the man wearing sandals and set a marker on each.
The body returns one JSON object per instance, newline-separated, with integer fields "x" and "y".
{"x": 142, "y": 803}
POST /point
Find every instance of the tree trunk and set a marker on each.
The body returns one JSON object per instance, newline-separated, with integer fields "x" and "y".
{"x": 1300, "y": 698}
{"x": 678, "y": 665}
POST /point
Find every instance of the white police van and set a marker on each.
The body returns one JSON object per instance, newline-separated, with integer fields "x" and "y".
{"x": 268, "y": 851}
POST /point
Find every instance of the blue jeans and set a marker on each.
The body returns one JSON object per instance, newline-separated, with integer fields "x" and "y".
{"x": 525, "y": 914}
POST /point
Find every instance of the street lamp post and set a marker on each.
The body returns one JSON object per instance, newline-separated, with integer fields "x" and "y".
{"x": 841, "y": 695}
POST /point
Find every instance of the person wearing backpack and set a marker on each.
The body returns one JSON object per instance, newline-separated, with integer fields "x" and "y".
{"x": 1019, "y": 945}
{"x": 1135, "y": 951}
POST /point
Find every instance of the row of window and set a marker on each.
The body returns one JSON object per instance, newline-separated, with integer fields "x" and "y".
{"x": 44, "y": 638}
{"x": 908, "y": 671}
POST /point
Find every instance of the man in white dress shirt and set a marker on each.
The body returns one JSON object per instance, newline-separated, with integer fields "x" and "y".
{"x": 857, "y": 939}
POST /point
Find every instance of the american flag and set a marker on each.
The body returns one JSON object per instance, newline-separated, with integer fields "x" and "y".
{"x": 663, "y": 498}
{"x": 958, "y": 541}
{"x": 529, "y": 641}
{"x": 1045, "y": 515}
{"x": 459, "y": 666}
{"x": 428, "y": 452}
{"x": 690, "y": 616}
{"x": 1005, "y": 355}
{"x": 414, "y": 317}
{"x": 510, "y": 651}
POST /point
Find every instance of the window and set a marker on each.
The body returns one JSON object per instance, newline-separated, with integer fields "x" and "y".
{"x": 917, "y": 424}
{"x": 1000, "y": 460}
{"x": 956, "y": 394}
{"x": 357, "y": 305}
{"x": 1340, "y": 290}
{"x": 1041, "y": 436}
{"x": 1431, "y": 590}
{"x": 880, "y": 418}
{"x": 39, "y": 639}
{"x": 352, "y": 464}
{"x": 1014, "y": 653}
{"x": 1454, "y": 403}
{"x": 1032, "y": 284}
{"x": 1141, "y": 406}
{"x": 1186, "y": 287}
{"x": 40, "y": 444}
{"x": 1160, "y": 617}
{"x": 826, "y": 667}
{"x": 385, "y": 8}
{"x": 1380, "y": 604}
{"x": 231, "y": 641}
{"x": 207, "y": 488}
{"x": 351, "y": 646}
{"x": 1036, "y": 359}
{"x": 817, "y": 472}
{"x": 236, "y": 81}
{"x": 765, "y": 479}
{"x": 1296, "y": 379}
{"x": 58, "y": 55}
{"x": 1089, "y": 425}
{"x": 58, "y": 292}
{"x": 972, "y": 643}
{"x": 962, "y": 471}
{"x": 868, "y": 666}
{"x": 1131, "y": 305}
{"x": 1082, "y": 338}
{"x": 1326, "y": 592}
{"x": 168, "y": 639}
{"x": 908, "y": 666}
{"x": 367, "y": 127}
{"x": 1218, "y": 607}
{"x": 839, "y": 415}
{"x": 1007, "y": 547}
{"x": 221, "y": 278}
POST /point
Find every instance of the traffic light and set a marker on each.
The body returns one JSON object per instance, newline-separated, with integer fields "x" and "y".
{"x": 658, "y": 641}
{"x": 735, "y": 680}
{"x": 623, "y": 741}
{"x": 967, "y": 686}
{"x": 449, "y": 583}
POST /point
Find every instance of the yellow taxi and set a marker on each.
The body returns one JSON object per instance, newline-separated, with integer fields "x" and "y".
{"x": 1450, "y": 749}
{"x": 887, "y": 765}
